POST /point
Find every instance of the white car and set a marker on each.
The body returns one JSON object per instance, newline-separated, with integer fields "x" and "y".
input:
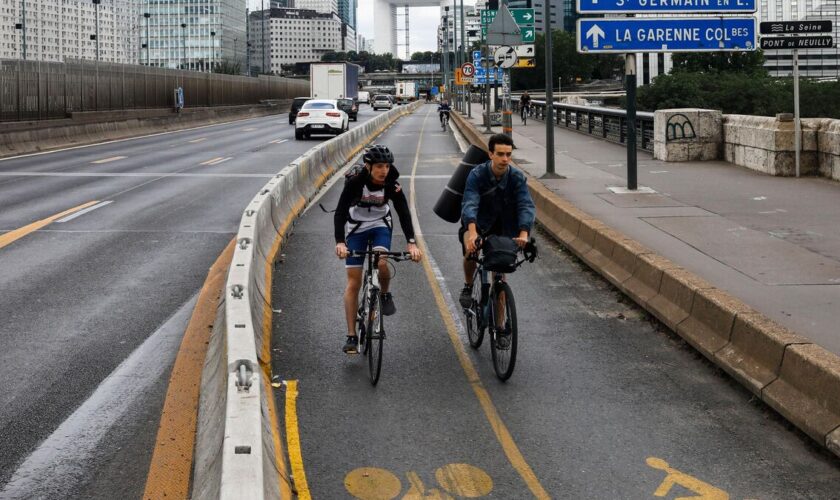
{"x": 382, "y": 101}
{"x": 320, "y": 116}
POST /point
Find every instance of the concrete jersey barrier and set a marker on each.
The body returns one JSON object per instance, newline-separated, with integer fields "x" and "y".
{"x": 238, "y": 451}
{"x": 791, "y": 374}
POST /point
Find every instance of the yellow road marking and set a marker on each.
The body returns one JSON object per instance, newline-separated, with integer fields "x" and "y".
{"x": 211, "y": 161}
{"x": 172, "y": 458}
{"x": 372, "y": 483}
{"x": 704, "y": 490}
{"x": 197, "y": 140}
{"x": 12, "y": 236}
{"x": 293, "y": 441}
{"x": 109, "y": 160}
{"x": 514, "y": 456}
{"x": 464, "y": 480}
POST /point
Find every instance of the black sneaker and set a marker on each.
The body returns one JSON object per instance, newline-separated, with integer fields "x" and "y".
{"x": 388, "y": 307}
{"x": 352, "y": 345}
{"x": 466, "y": 296}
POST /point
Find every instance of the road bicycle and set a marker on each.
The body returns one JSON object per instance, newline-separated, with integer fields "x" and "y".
{"x": 524, "y": 111}
{"x": 444, "y": 122}
{"x": 369, "y": 319}
{"x": 493, "y": 308}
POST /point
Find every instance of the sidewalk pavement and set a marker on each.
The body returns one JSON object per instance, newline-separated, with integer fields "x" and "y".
{"x": 772, "y": 242}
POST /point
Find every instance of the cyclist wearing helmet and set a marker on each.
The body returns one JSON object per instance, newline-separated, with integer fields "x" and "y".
{"x": 443, "y": 109}
{"x": 363, "y": 214}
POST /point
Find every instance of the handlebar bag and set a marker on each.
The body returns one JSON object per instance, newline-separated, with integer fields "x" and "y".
{"x": 500, "y": 254}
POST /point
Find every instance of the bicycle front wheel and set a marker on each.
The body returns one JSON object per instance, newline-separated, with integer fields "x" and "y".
{"x": 376, "y": 336}
{"x": 503, "y": 335}
{"x": 473, "y": 316}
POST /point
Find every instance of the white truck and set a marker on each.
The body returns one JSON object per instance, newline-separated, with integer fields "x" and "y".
{"x": 334, "y": 80}
{"x": 406, "y": 92}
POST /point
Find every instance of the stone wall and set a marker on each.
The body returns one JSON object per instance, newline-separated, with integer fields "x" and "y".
{"x": 687, "y": 134}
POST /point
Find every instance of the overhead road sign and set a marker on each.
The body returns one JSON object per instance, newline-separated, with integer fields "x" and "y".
{"x": 527, "y": 34}
{"x": 526, "y": 62}
{"x": 665, "y": 6}
{"x": 683, "y": 34}
{"x": 796, "y": 27}
{"x": 797, "y": 42}
{"x": 523, "y": 17}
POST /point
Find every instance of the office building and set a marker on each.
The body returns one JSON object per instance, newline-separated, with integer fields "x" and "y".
{"x": 292, "y": 36}
{"x": 813, "y": 63}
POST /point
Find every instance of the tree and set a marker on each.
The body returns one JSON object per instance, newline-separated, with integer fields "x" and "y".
{"x": 566, "y": 63}
{"x": 751, "y": 62}
{"x": 227, "y": 67}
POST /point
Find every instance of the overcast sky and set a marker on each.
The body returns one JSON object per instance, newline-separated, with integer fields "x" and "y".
{"x": 423, "y": 24}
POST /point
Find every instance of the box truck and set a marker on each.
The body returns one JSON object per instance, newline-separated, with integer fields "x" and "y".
{"x": 333, "y": 80}
{"x": 406, "y": 92}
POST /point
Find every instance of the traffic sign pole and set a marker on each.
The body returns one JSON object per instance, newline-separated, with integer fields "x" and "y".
{"x": 630, "y": 72}
{"x": 797, "y": 124}
{"x": 549, "y": 100}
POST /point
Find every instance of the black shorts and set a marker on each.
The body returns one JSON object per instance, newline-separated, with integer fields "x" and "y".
{"x": 495, "y": 229}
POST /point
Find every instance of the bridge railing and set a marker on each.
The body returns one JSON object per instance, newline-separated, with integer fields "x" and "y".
{"x": 605, "y": 123}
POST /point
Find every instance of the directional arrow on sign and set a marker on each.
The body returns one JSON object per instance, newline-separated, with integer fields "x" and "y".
{"x": 595, "y": 33}
{"x": 524, "y": 51}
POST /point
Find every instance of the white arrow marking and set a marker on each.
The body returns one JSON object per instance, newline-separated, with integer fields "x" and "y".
{"x": 527, "y": 16}
{"x": 595, "y": 32}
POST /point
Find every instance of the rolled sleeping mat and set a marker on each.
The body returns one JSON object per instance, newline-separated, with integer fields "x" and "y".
{"x": 448, "y": 206}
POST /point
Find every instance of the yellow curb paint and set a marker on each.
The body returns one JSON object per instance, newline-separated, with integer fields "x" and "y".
{"x": 12, "y": 236}
{"x": 514, "y": 456}
{"x": 285, "y": 482}
{"x": 172, "y": 458}
{"x": 293, "y": 442}
{"x": 109, "y": 160}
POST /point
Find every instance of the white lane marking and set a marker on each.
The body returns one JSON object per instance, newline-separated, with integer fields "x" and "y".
{"x": 82, "y": 212}
{"x": 63, "y": 459}
{"x": 222, "y": 160}
{"x": 130, "y": 139}
{"x": 200, "y": 139}
{"x": 124, "y": 174}
{"x": 109, "y": 160}
{"x": 659, "y": 171}
{"x": 249, "y": 129}
{"x": 278, "y": 141}
{"x": 759, "y": 198}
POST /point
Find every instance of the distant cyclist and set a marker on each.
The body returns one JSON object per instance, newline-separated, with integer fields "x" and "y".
{"x": 524, "y": 104}
{"x": 443, "y": 109}
{"x": 496, "y": 201}
{"x": 363, "y": 214}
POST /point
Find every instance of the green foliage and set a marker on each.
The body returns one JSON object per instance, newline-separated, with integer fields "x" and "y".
{"x": 227, "y": 67}
{"x": 566, "y": 63}
{"x": 717, "y": 62}
{"x": 740, "y": 93}
{"x": 370, "y": 61}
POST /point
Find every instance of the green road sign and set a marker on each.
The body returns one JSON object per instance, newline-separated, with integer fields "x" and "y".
{"x": 523, "y": 17}
{"x": 528, "y": 33}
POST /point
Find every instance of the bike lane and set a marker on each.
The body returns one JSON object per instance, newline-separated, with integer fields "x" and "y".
{"x": 602, "y": 404}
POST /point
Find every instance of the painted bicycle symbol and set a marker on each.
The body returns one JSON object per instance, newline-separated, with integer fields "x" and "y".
{"x": 453, "y": 481}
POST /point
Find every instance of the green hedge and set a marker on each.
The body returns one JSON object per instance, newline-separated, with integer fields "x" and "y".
{"x": 740, "y": 93}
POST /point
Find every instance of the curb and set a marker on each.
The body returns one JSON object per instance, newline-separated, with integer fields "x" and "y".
{"x": 791, "y": 374}
{"x": 238, "y": 451}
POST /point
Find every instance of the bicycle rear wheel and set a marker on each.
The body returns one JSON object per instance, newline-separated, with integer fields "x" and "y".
{"x": 473, "y": 316}
{"x": 376, "y": 336}
{"x": 503, "y": 350}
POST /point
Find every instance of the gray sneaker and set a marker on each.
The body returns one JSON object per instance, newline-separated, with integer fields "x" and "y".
{"x": 352, "y": 345}
{"x": 388, "y": 307}
{"x": 466, "y": 296}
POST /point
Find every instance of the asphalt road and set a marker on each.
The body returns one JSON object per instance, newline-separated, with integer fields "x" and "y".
{"x": 94, "y": 307}
{"x": 604, "y": 403}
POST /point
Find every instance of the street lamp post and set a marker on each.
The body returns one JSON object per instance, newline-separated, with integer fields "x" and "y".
{"x": 183, "y": 45}
{"x": 235, "y": 40}
{"x": 212, "y": 49}
{"x": 463, "y": 57}
{"x": 22, "y": 26}
{"x": 447, "y": 87}
{"x": 96, "y": 36}
{"x": 147, "y": 45}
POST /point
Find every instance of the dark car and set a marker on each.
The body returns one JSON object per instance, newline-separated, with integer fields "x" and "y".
{"x": 350, "y": 107}
{"x": 296, "y": 105}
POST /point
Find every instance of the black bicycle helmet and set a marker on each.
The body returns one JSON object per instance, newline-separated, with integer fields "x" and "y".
{"x": 378, "y": 154}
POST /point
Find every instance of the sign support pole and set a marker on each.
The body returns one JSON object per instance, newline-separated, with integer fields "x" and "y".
{"x": 487, "y": 107}
{"x": 797, "y": 123}
{"x": 549, "y": 97}
{"x": 630, "y": 72}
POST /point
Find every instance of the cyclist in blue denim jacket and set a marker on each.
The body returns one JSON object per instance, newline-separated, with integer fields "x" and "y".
{"x": 496, "y": 201}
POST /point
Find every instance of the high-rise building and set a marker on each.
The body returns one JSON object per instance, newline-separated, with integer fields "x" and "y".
{"x": 472, "y": 27}
{"x": 293, "y": 36}
{"x": 193, "y": 34}
{"x": 813, "y": 63}
{"x": 347, "y": 12}
{"x": 60, "y": 29}
{"x": 320, "y": 6}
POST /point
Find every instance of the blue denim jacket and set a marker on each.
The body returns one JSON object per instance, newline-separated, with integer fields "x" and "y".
{"x": 510, "y": 200}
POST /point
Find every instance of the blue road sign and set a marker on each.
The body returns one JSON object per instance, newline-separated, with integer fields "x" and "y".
{"x": 476, "y": 55}
{"x": 685, "y": 34}
{"x": 434, "y": 91}
{"x": 664, "y": 6}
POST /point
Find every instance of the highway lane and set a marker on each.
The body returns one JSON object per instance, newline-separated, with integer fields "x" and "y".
{"x": 603, "y": 404}
{"x": 94, "y": 307}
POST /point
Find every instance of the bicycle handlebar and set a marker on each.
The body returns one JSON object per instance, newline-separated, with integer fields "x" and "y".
{"x": 396, "y": 256}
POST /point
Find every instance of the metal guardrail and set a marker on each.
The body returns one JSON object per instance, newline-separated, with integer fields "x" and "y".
{"x": 39, "y": 90}
{"x": 605, "y": 123}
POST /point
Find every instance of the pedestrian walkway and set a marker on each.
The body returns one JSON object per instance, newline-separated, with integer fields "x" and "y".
{"x": 772, "y": 242}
